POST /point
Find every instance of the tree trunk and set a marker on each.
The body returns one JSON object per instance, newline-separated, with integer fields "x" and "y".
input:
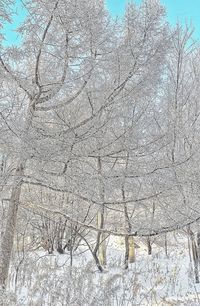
{"x": 149, "y": 246}
{"x": 198, "y": 245}
{"x": 8, "y": 236}
{"x": 102, "y": 241}
{"x": 100, "y": 260}
{"x": 195, "y": 256}
{"x": 126, "y": 257}
{"x": 129, "y": 240}
{"x": 100, "y": 247}
{"x": 131, "y": 250}
{"x": 166, "y": 247}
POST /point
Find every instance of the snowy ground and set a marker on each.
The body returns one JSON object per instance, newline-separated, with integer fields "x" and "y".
{"x": 45, "y": 280}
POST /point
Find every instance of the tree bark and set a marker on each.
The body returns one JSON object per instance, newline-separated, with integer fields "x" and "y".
{"x": 166, "y": 247}
{"x": 102, "y": 241}
{"x": 149, "y": 246}
{"x": 8, "y": 236}
{"x": 195, "y": 256}
{"x": 129, "y": 240}
{"x": 100, "y": 247}
{"x": 131, "y": 250}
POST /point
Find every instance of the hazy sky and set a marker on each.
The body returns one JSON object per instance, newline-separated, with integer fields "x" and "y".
{"x": 182, "y": 10}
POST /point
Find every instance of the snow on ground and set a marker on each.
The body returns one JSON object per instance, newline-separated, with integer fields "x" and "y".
{"x": 152, "y": 280}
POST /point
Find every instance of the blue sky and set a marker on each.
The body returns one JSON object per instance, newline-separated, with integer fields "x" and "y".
{"x": 9, "y": 28}
{"x": 182, "y": 10}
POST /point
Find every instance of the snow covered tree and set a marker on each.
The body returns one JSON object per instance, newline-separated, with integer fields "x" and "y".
{"x": 82, "y": 118}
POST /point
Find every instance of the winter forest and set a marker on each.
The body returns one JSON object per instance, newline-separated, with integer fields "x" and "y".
{"x": 99, "y": 157}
